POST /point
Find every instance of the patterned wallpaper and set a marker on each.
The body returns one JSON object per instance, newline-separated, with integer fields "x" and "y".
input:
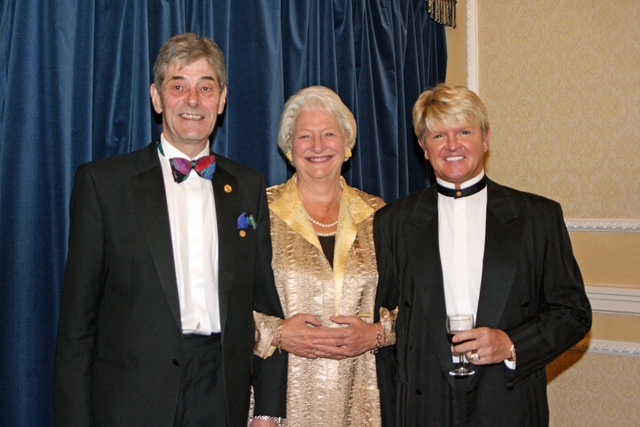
{"x": 561, "y": 81}
{"x": 590, "y": 389}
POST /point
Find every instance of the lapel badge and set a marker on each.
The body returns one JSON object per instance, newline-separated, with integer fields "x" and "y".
{"x": 227, "y": 188}
{"x": 245, "y": 220}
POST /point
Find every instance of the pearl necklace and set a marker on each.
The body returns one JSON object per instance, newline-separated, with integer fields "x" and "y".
{"x": 319, "y": 224}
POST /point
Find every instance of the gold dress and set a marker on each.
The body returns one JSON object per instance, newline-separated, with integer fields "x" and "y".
{"x": 325, "y": 392}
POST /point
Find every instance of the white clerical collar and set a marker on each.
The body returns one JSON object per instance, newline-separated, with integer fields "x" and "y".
{"x": 465, "y": 184}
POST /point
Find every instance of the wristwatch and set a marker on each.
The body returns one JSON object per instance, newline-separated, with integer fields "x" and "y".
{"x": 513, "y": 353}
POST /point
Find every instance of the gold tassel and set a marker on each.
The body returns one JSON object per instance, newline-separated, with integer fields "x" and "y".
{"x": 443, "y": 11}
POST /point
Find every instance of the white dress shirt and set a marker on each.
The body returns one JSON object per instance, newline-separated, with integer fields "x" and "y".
{"x": 192, "y": 216}
{"x": 462, "y": 226}
{"x": 461, "y": 229}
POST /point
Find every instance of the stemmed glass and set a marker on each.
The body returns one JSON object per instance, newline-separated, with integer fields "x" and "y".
{"x": 457, "y": 323}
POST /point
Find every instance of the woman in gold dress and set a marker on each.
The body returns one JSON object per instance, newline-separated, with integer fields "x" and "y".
{"x": 325, "y": 269}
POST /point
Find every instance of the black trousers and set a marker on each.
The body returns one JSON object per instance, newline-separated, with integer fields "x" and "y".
{"x": 202, "y": 400}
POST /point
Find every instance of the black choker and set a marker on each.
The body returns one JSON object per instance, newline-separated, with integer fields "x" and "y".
{"x": 462, "y": 192}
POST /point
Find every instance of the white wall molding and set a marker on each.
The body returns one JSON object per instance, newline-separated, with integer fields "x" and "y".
{"x": 603, "y": 224}
{"x": 614, "y": 348}
{"x": 611, "y": 300}
{"x": 472, "y": 45}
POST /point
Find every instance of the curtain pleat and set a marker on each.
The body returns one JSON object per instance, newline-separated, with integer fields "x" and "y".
{"x": 74, "y": 87}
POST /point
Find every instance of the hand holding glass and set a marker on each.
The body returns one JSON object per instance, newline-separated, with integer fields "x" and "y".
{"x": 457, "y": 323}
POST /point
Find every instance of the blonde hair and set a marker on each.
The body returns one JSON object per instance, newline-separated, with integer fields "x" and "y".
{"x": 318, "y": 98}
{"x": 448, "y": 105}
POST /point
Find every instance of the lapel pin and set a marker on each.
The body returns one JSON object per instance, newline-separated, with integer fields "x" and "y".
{"x": 246, "y": 220}
{"x": 227, "y": 188}
{"x": 242, "y": 233}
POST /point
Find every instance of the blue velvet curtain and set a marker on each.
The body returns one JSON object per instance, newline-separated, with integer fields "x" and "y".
{"x": 74, "y": 87}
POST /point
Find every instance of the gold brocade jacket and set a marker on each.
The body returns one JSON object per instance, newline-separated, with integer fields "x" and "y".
{"x": 325, "y": 392}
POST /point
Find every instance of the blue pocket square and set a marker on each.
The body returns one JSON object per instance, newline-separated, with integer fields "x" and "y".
{"x": 246, "y": 220}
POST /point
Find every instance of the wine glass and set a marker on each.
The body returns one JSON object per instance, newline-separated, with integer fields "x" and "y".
{"x": 457, "y": 323}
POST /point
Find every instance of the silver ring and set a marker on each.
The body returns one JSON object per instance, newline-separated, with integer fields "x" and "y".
{"x": 475, "y": 356}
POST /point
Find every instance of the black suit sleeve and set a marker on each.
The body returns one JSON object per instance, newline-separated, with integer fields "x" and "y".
{"x": 270, "y": 374}
{"x": 564, "y": 315}
{"x": 81, "y": 295}
{"x": 386, "y": 296}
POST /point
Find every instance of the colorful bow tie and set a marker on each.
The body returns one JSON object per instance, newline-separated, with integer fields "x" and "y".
{"x": 205, "y": 166}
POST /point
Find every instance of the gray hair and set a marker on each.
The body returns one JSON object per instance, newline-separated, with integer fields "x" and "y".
{"x": 318, "y": 98}
{"x": 185, "y": 49}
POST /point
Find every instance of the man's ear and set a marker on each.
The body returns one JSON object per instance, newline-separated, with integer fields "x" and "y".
{"x": 485, "y": 140}
{"x": 424, "y": 148}
{"x": 223, "y": 100}
{"x": 155, "y": 98}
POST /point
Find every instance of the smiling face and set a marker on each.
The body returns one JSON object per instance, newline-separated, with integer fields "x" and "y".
{"x": 190, "y": 101}
{"x": 318, "y": 146}
{"x": 456, "y": 151}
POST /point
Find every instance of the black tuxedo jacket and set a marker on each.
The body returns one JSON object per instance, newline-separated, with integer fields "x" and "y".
{"x": 531, "y": 288}
{"x": 119, "y": 348}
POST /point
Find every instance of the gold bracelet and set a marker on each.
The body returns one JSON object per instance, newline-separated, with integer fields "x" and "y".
{"x": 279, "y": 337}
{"x": 374, "y": 351}
{"x": 278, "y": 420}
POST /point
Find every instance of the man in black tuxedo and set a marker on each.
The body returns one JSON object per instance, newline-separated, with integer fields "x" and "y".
{"x": 168, "y": 258}
{"x": 471, "y": 245}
